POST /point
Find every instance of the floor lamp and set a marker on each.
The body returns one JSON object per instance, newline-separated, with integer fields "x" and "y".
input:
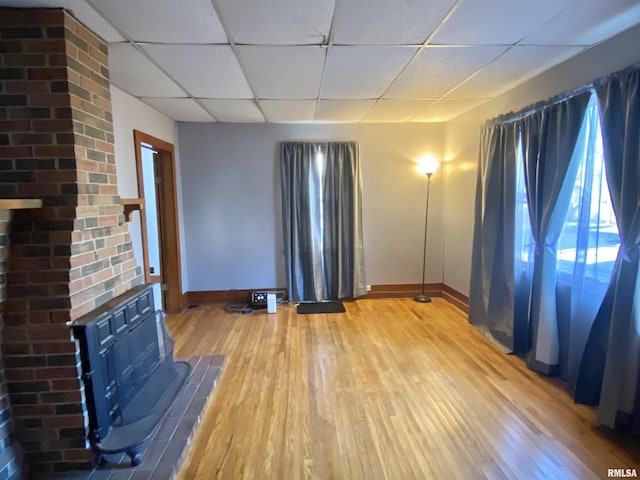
{"x": 428, "y": 166}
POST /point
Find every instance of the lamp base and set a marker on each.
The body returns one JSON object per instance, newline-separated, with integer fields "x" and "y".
{"x": 423, "y": 299}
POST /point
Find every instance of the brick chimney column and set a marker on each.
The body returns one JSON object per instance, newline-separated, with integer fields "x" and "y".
{"x": 73, "y": 254}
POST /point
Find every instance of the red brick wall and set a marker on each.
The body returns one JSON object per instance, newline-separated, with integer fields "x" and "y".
{"x": 9, "y": 451}
{"x": 73, "y": 254}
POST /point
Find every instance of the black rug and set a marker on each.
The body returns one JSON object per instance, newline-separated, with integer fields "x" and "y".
{"x": 332, "y": 306}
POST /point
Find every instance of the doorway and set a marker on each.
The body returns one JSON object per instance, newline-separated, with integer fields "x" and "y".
{"x": 155, "y": 164}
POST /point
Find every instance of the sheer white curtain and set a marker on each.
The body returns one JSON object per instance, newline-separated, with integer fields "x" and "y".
{"x": 587, "y": 249}
{"x": 525, "y": 253}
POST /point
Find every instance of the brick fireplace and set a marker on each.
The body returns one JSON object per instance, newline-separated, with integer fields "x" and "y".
{"x": 66, "y": 258}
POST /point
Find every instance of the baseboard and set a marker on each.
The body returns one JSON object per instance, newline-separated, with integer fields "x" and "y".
{"x": 225, "y": 296}
{"x": 184, "y": 301}
{"x": 409, "y": 290}
{"x": 456, "y": 298}
{"x": 406, "y": 290}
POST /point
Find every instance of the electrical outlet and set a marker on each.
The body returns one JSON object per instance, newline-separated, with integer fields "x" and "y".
{"x": 368, "y": 288}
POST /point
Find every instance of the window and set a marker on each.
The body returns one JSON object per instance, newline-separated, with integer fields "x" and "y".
{"x": 524, "y": 243}
{"x": 589, "y": 242}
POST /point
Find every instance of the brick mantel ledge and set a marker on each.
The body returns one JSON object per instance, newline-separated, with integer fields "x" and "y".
{"x": 16, "y": 203}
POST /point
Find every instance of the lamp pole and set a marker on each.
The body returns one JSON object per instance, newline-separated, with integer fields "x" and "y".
{"x": 422, "y": 298}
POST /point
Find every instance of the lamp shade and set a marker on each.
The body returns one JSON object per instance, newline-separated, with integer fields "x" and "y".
{"x": 428, "y": 165}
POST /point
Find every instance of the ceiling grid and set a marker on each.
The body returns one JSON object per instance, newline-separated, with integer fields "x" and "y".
{"x": 340, "y": 61}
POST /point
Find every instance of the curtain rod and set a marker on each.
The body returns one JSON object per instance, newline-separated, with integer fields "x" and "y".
{"x": 541, "y": 105}
{"x": 538, "y": 106}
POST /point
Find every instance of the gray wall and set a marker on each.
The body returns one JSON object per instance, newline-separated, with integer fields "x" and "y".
{"x": 231, "y": 201}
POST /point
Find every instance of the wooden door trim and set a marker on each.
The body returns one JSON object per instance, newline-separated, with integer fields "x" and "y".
{"x": 171, "y": 262}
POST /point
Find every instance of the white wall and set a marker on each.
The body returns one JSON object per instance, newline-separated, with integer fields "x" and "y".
{"x": 131, "y": 114}
{"x": 463, "y": 134}
{"x": 232, "y": 211}
{"x": 461, "y": 157}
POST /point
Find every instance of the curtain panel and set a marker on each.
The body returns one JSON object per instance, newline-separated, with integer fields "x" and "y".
{"x": 610, "y": 361}
{"x": 604, "y": 362}
{"x": 549, "y": 138}
{"x": 491, "y": 296}
{"x": 322, "y": 220}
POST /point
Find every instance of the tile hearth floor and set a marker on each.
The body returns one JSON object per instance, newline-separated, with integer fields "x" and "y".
{"x": 164, "y": 453}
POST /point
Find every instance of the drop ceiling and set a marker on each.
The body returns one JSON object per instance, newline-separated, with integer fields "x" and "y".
{"x": 338, "y": 61}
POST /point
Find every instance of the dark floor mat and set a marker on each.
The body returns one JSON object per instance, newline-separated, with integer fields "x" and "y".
{"x": 333, "y": 306}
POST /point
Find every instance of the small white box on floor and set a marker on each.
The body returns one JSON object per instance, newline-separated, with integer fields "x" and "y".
{"x": 271, "y": 303}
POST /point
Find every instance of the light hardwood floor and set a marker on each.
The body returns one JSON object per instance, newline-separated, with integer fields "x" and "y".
{"x": 391, "y": 389}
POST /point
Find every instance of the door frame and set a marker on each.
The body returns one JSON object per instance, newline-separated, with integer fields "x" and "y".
{"x": 171, "y": 266}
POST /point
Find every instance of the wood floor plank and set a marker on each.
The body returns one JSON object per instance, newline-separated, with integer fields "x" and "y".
{"x": 390, "y": 389}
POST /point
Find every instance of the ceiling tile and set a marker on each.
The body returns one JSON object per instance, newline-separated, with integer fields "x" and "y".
{"x": 296, "y": 51}
{"x": 80, "y": 9}
{"x": 587, "y": 22}
{"x": 166, "y": 21}
{"x": 288, "y": 111}
{"x": 362, "y": 72}
{"x": 436, "y": 70}
{"x": 283, "y": 72}
{"x": 515, "y": 66}
{"x": 180, "y": 109}
{"x": 209, "y": 71}
{"x": 380, "y": 22}
{"x": 285, "y": 22}
{"x": 385, "y": 111}
{"x": 343, "y": 111}
{"x": 235, "y": 111}
{"x": 445, "y": 109}
{"x": 130, "y": 70}
{"x": 495, "y": 22}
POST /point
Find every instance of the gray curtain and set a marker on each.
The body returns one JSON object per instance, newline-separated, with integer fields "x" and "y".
{"x": 322, "y": 220}
{"x": 491, "y": 299}
{"x": 549, "y": 137}
{"x": 610, "y": 360}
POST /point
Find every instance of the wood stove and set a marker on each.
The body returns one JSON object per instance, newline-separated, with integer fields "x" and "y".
{"x": 128, "y": 371}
